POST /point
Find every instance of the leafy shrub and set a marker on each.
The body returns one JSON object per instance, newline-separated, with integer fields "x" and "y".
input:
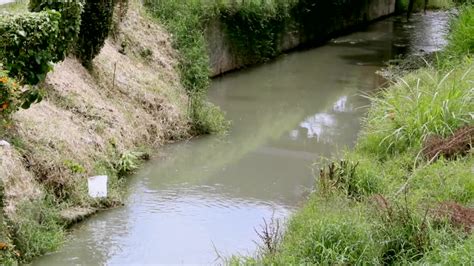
{"x": 28, "y": 44}
{"x": 208, "y": 118}
{"x": 9, "y": 95}
{"x": 69, "y": 24}
{"x": 128, "y": 162}
{"x": 186, "y": 20}
{"x": 12, "y": 97}
{"x": 96, "y": 22}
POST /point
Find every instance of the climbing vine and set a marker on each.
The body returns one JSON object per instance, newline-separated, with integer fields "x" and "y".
{"x": 255, "y": 28}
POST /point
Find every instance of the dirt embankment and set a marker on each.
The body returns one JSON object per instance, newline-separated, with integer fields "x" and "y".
{"x": 131, "y": 100}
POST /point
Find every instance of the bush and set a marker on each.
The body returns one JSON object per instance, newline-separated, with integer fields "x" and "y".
{"x": 12, "y": 97}
{"x": 28, "y": 44}
{"x": 96, "y": 22}
{"x": 186, "y": 22}
{"x": 69, "y": 25}
{"x": 9, "y": 95}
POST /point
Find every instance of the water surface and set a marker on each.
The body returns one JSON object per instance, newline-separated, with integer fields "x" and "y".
{"x": 204, "y": 198}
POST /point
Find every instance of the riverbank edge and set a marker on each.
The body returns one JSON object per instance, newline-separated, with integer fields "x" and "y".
{"x": 104, "y": 121}
{"x": 399, "y": 197}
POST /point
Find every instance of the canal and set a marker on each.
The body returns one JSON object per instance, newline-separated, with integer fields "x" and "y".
{"x": 202, "y": 200}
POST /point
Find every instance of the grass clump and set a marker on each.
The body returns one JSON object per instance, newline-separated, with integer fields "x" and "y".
{"x": 447, "y": 254}
{"x": 329, "y": 231}
{"x": 461, "y": 38}
{"x": 427, "y": 102}
{"x": 37, "y": 228}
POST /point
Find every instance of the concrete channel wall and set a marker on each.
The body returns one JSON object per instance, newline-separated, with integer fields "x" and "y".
{"x": 223, "y": 57}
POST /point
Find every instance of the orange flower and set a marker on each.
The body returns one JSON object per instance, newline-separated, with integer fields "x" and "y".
{"x": 4, "y": 106}
{"x": 4, "y": 80}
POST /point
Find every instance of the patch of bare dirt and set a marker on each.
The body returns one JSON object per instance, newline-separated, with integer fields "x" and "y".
{"x": 457, "y": 214}
{"x": 460, "y": 143}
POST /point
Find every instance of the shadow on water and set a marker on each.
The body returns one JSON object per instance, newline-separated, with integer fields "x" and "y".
{"x": 210, "y": 193}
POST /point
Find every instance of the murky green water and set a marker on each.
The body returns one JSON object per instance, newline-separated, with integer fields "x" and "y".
{"x": 206, "y": 196}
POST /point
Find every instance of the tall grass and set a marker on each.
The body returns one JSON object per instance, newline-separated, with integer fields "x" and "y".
{"x": 424, "y": 103}
{"x": 461, "y": 38}
{"x": 37, "y": 229}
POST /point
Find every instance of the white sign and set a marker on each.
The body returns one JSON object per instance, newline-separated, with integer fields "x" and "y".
{"x": 98, "y": 186}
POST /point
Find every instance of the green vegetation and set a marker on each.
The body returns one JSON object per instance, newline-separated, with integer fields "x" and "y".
{"x": 32, "y": 41}
{"x": 461, "y": 38}
{"x": 12, "y": 97}
{"x": 29, "y": 44}
{"x": 402, "y": 5}
{"x": 38, "y": 228}
{"x": 186, "y": 21}
{"x": 255, "y": 27}
{"x": 400, "y": 196}
{"x": 69, "y": 25}
{"x": 96, "y": 21}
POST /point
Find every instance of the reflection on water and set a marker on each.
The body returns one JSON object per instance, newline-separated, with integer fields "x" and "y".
{"x": 319, "y": 124}
{"x": 206, "y": 196}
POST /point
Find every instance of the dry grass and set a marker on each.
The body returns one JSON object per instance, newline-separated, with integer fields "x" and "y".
{"x": 18, "y": 183}
{"x": 127, "y": 102}
{"x": 460, "y": 143}
{"x": 457, "y": 214}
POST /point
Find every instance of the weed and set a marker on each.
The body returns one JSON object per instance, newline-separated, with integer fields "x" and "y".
{"x": 146, "y": 54}
{"x": 75, "y": 167}
{"x": 128, "y": 162}
{"x": 270, "y": 235}
{"x": 207, "y": 117}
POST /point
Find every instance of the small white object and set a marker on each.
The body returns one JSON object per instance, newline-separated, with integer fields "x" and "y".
{"x": 4, "y": 143}
{"x": 98, "y": 186}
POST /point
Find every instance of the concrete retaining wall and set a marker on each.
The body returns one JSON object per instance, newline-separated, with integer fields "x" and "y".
{"x": 224, "y": 59}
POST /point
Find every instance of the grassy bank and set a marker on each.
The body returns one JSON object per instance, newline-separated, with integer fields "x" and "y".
{"x": 98, "y": 121}
{"x": 405, "y": 194}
